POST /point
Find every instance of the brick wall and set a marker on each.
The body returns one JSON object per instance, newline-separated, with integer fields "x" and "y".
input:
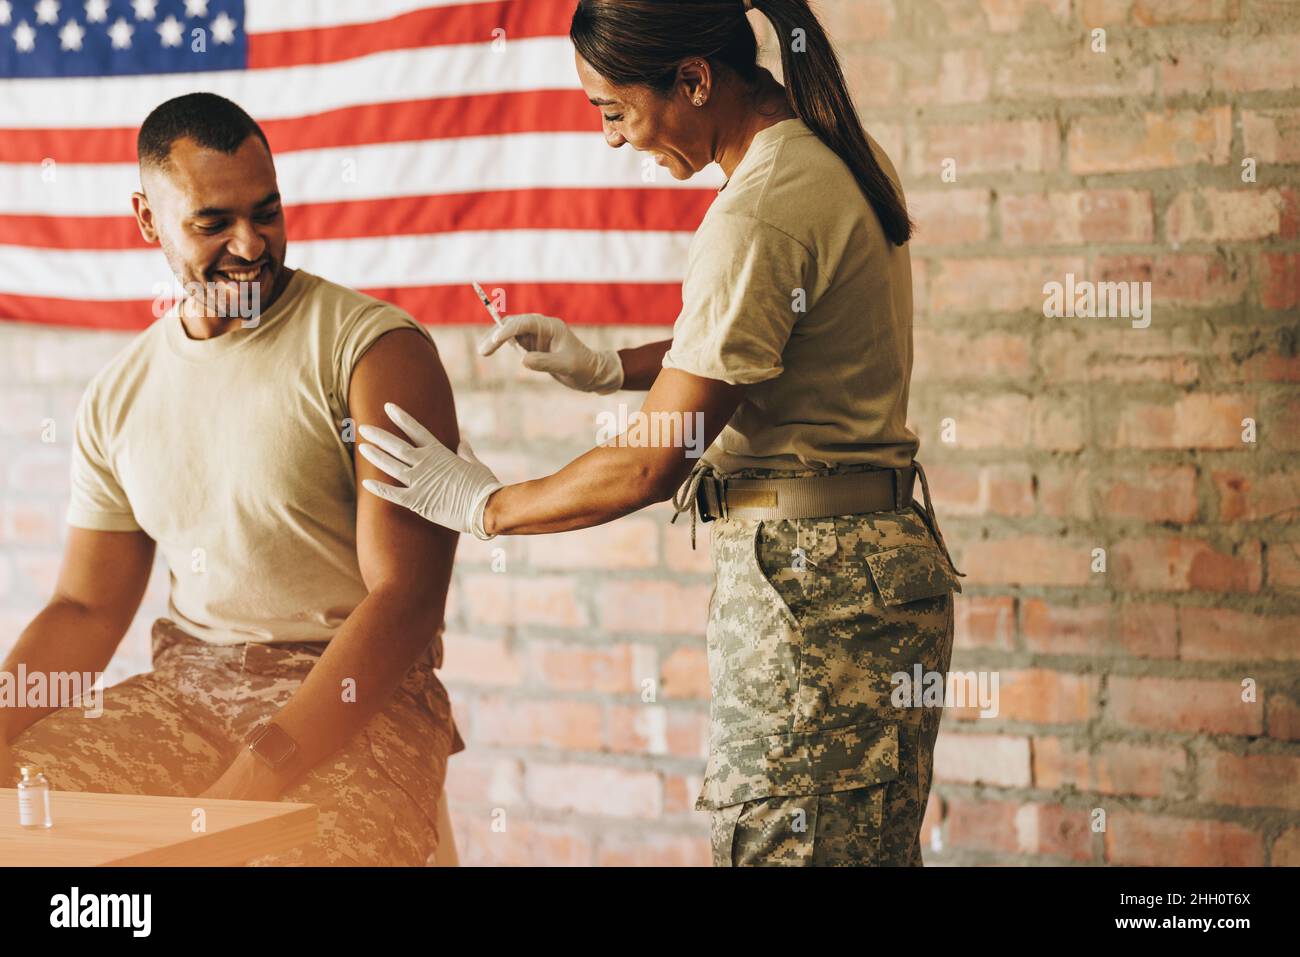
{"x": 576, "y": 662}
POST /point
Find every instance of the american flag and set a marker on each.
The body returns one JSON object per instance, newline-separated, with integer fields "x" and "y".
{"x": 419, "y": 146}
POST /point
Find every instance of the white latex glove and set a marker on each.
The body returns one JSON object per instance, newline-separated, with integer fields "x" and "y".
{"x": 445, "y": 488}
{"x": 552, "y": 347}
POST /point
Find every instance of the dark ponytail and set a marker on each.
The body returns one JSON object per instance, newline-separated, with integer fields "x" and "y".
{"x": 641, "y": 42}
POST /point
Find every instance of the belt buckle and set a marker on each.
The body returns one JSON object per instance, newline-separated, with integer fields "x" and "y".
{"x": 708, "y": 499}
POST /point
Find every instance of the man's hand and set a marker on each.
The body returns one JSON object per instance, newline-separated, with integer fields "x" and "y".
{"x": 247, "y": 779}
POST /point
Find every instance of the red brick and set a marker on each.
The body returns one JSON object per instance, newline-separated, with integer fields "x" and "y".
{"x": 1182, "y": 564}
{"x": 654, "y": 849}
{"x": 1064, "y": 630}
{"x": 1028, "y": 560}
{"x": 874, "y": 81}
{"x": 479, "y": 661}
{"x": 597, "y": 790}
{"x": 1196, "y": 421}
{"x": 985, "y": 621}
{"x": 1182, "y": 704}
{"x": 654, "y": 606}
{"x": 983, "y": 825}
{"x": 685, "y": 674}
{"x": 495, "y": 599}
{"x": 631, "y": 542}
{"x": 31, "y": 522}
{"x": 1046, "y": 696}
{"x": 1202, "y": 64}
{"x": 1257, "y": 780}
{"x": 1283, "y": 565}
{"x": 1286, "y": 849}
{"x": 1156, "y": 12}
{"x": 946, "y": 76}
{"x": 658, "y": 730}
{"x": 1077, "y": 217}
{"x": 1279, "y": 280}
{"x": 1148, "y": 630}
{"x": 1283, "y": 717}
{"x": 1071, "y": 69}
{"x": 1063, "y": 491}
{"x": 1222, "y": 634}
{"x": 1225, "y": 215}
{"x": 862, "y": 20}
{"x": 993, "y": 759}
{"x": 1147, "y": 840}
{"x": 949, "y": 217}
{"x": 523, "y": 843}
{"x": 678, "y": 554}
{"x": 1199, "y": 280}
{"x": 1151, "y": 494}
{"x": 1245, "y": 497}
{"x": 680, "y": 792}
{"x": 607, "y": 668}
{"x": 997, "y": 285}
{"x": 1005, "y": 16}
{"x": 992, "y": 146}
{"x": 1151, "y": 141}
{"x": 546, "y": 723}
{"x": 1271, "y": 135}
{"x": 986, "y": 422}
{"x": 1058, "y": 424}
{"x": 1114, "y": 767}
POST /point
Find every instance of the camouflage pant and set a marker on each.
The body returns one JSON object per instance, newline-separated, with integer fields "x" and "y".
{"x": 175, "y": 730}
{"x": 811, "y": 760}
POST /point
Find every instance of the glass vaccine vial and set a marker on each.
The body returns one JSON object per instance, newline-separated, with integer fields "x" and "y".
{"x": 33, "y": 798}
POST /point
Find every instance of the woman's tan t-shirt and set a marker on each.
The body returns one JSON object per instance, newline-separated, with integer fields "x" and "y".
{"x": 793, "y": 289}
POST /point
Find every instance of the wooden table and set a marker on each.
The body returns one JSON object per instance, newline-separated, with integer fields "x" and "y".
{"x": 93, "y": 830}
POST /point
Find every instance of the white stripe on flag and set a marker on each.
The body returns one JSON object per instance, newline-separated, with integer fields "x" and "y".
{"x": 497, "y": 256}
{"x": 543, "y": 63}
{"x": 382, "y": 171}
{"x": 270, "y": 16}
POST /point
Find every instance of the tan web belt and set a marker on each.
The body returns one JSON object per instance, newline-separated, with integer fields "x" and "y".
{"x": 816, "y": 496}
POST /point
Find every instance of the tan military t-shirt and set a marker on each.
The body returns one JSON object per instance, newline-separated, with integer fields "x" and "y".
{"x": 793, "y": 289}
{"x": 230, "y": 453}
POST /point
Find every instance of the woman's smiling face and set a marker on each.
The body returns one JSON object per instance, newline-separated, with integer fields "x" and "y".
{"x": 667, "y": 126}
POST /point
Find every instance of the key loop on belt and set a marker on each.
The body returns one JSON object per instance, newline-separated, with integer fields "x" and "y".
{"x": 705, "y": 482}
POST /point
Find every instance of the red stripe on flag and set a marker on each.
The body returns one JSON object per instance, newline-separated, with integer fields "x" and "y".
{"x": 576, "y": 303}
{"x": 645, "y": 210}
{"x": 440, "y": 26}
{"x": 488, "y": 114}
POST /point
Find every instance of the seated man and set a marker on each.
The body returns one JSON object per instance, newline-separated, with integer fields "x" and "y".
{"x": 305, "y": 620}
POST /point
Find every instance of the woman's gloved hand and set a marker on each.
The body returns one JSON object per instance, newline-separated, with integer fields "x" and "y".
{"x": 552, "y": 347}
{"x": 445, "y": 488}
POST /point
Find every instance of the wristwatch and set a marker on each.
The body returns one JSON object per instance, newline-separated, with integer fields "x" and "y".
{"x": 271, "y": 744}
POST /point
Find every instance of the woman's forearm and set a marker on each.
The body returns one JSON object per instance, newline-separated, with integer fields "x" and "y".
{"x": 641, "y": 364}
{"x": 597, "y": 487}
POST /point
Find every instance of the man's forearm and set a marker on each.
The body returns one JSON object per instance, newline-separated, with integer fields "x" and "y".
{"x": 641, "y": 365}
{"x": 372, "y": 652}
{"x": 64, "y": 637}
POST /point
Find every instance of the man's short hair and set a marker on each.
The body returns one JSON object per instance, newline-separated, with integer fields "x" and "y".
{"x": 212, "y": 121}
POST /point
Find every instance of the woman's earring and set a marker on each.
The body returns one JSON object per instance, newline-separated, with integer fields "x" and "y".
{"x": 699, "y": 101}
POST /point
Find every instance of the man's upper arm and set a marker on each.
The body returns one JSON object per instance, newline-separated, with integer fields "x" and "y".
{"x": 106, "y": 573}
{"x": 394, "y": 545}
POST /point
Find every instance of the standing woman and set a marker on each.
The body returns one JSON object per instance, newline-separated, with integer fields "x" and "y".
{"x": 795, "y": 345}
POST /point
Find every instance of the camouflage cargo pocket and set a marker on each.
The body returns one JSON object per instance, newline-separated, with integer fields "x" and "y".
{"x": 803, "y": 798}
